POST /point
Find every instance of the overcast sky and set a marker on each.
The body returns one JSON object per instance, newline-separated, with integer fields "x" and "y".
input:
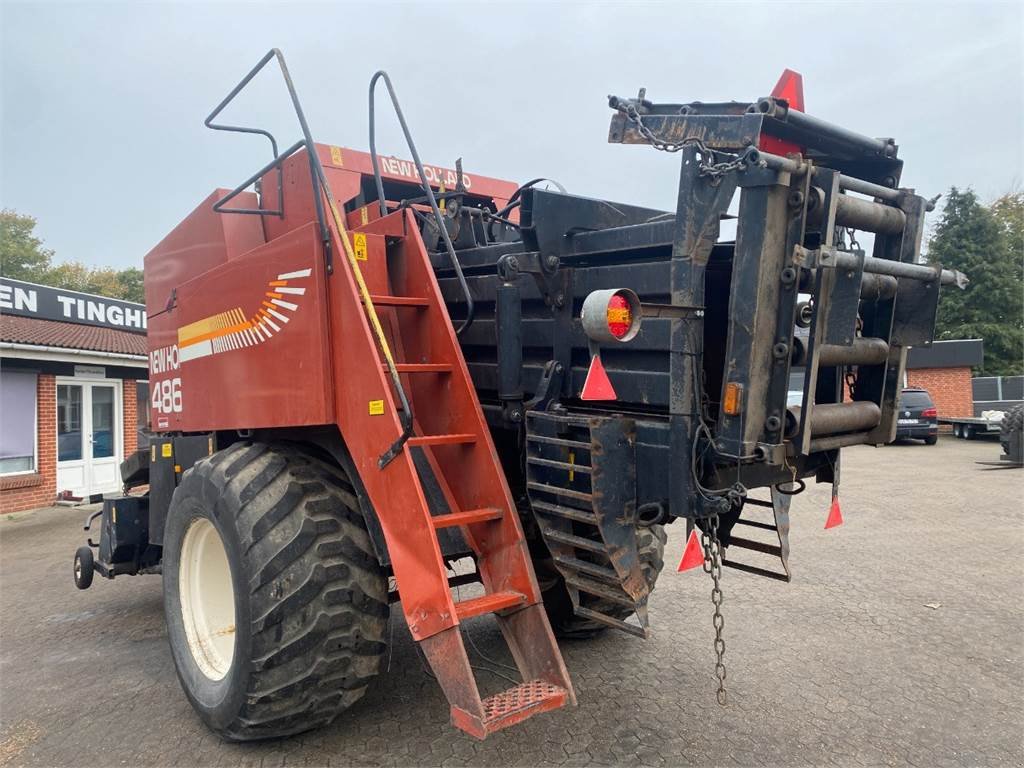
{"x": 103, "y": 104}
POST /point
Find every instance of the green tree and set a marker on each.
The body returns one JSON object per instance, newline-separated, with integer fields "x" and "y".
{"x": 984, "y": 243}
{"x": 104, "y": 281}
{"x": 22, "y": 255}
{"x": 130, "y": 280}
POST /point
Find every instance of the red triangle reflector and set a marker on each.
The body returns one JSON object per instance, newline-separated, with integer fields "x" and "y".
{"x": 791, "y": 88}
{"x": 597, "y": 386}
{"x": 693, "y": 555}
{"x": 835, "y": 517}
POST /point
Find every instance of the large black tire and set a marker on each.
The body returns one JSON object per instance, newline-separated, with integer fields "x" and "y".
{"x": 1011, "y": 431}
{"x": 310, "y": 598}
{"x": 565, "y": 623}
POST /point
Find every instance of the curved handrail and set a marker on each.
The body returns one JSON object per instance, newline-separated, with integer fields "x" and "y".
{"x": 307, "y": 139}
{"x": 438, "y": 218}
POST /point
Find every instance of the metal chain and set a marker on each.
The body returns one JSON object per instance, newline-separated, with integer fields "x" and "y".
{"x": 709, "y": 165}
{"x": 713, "y": 566}
{"x": 854, "y": 245}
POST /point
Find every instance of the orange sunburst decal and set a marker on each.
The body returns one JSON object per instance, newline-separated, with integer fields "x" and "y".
{"x": 230, "y": 330}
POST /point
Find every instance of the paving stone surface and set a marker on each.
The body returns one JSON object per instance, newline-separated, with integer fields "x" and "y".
{"x": 900, "y": 641}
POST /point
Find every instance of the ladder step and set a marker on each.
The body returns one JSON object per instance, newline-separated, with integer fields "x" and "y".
{"x": 555, "y": 490}
{"x": 399, "y": 301}
{"x": 756, "y": 546}
{"x": 496, "y": 601}
{"x": 579, "y": 515}
{"x": 512, "y": 706}
{"x": 468, "y": 517}
{"x": 591, "y": 569}
{"x": 573, "y": 541}
{"x": 601, "y": 590}
{"x": 625, "y": 626}
{"x": 756, "y": 524}
{"x": 755, "y": 570}
{"x": 421, "y": 367}
{"x": 585, "y": 468}
{"x": 452, "y": 439}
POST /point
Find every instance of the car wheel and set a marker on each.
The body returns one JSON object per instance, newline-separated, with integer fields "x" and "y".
{"x": 931, "y": 440}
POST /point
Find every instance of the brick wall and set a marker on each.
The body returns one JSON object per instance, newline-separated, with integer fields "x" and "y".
{"x": 39, "y": 489}
{"x": 131, "y": 415}
{"x": 950, "y": 388}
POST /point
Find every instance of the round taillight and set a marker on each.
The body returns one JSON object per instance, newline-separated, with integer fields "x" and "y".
{"x": 611, "y": 315}
{"x": 620, "y": 316}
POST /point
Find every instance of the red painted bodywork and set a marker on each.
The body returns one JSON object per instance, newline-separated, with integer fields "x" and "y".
{"x": 266, "y": 337}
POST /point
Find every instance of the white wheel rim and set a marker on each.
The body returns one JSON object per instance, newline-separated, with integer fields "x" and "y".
{"x": 207, "y": 599}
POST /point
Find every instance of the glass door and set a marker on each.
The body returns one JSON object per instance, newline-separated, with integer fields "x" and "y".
{"x": 71, "y": 469}
{"x": 88, "y": 435}
{"x": 102, "y": 438}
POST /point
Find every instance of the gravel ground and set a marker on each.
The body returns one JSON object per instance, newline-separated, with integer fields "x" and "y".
{"x": 900, "y": 641}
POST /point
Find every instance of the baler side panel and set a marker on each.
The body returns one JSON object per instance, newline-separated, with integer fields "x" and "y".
{"x": 250, "y": 343}
{"x": 203, "y": 240}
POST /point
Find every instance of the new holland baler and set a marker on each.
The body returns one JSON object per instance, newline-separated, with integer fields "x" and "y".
{"x": 377, "y": 381}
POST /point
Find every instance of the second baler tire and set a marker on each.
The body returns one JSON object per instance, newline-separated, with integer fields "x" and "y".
{"x": 564, "y": 622}
{"x": 1011, "y": 428}
{"x": 310, "y": 597}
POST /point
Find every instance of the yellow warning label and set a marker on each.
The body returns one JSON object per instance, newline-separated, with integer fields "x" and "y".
{"x": 336, "y": 156}
{"x": 376, "y": 407}
{"x": 165, "y": 450}
{"x": 364, "y": 214}
{"x": 359, "y": 244}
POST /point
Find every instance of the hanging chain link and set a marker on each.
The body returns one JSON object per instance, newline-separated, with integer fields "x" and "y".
{"x": 709, "y": 164}
{"x": 854, "y": 245}
{"x": 715, "y": 168}
{"x": 713, "y": 566}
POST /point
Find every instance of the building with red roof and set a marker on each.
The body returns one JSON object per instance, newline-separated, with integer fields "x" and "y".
{"x": 73, "y": 393}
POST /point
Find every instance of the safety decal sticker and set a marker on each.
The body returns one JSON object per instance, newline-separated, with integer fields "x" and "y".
{"x": 232, "y": 330}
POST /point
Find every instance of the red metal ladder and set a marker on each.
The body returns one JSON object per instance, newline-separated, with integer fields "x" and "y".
{"x": 414, "y": 334}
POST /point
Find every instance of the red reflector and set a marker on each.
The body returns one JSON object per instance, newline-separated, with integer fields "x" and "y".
{"x": 835, "y": 517}
{"x": 791, "y": 88}
{"x": 929, "y": 413}
{"x": 619, "y": 315}
{"x": 597, "y": 386}
{"x": 693, "y": 555}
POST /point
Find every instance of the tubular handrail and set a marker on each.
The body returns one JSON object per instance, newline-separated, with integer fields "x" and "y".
{"x": 307, "y": 140}
{"x": 321, "y": 190}
{"x": 438, "y": 218}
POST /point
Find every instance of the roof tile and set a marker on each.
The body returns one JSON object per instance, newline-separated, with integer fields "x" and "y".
{"x": 52, "y": 333}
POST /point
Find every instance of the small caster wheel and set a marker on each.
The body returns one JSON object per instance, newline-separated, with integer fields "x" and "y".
{"x": 83, "y": 567}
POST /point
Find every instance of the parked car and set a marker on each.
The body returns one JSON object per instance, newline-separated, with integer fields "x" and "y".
{"x": 916, "y": 417}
